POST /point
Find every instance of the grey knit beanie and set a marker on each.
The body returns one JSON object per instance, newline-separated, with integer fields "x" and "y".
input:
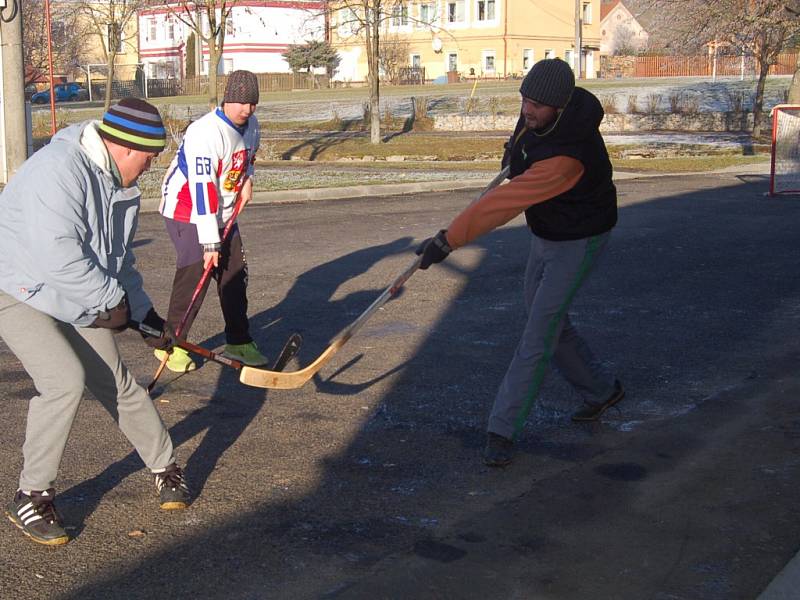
{"x": 241, "y": 87}
{"x": 549, "y": 81}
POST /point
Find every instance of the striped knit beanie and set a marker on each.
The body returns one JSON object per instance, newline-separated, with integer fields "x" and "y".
{"x": 549, "y": 81}
{"x": 135, "y": 124}
{"x": 241, "y": 87}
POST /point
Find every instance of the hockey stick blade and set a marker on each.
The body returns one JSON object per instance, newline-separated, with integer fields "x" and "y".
{"x": 294, "y": 379}
{"x": 289, "y": 351}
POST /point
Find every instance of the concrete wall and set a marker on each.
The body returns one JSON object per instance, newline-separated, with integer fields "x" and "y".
{"x": 622, "y": 122}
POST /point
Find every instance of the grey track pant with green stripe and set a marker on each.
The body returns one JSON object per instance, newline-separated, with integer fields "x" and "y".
{"x": 555, "y": 273}
{"x": 63, "y": 361}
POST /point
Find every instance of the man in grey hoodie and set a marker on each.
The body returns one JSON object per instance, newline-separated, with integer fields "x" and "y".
{"x": 68, "y": 282}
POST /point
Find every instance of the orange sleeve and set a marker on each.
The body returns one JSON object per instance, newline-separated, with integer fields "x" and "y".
{"x": 543, "y": 180}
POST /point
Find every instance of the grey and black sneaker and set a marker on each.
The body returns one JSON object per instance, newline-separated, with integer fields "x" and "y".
{"x": 173, "y": 493}
{"x": 35, "y": 514}
{"x": 499, "y": 450}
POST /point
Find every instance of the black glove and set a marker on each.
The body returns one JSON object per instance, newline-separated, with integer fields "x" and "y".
{"x": 114, "y": 318}
{"x": 166, "y": 339}
{"x": 434, "y": 250}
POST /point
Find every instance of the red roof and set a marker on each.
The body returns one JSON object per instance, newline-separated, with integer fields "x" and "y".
{"x": 607, "y": 7}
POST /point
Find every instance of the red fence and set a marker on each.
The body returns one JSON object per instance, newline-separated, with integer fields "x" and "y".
{"x": 691, "y": 66}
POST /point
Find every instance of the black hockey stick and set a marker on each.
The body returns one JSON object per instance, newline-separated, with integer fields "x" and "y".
{"x": 289, "y": 351}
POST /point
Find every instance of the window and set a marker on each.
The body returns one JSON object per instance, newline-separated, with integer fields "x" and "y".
{"x": 170, "y": 29}
{"x": 568, "y": 57}
{"x": 153, "y": 31}
{"x": 527, "y": 59}
{"x": 549, "y": 53}
{"x": 427, "y": 14}
{"x": 229, "y": 28}
{"x": 348, "y": 22}
{"x": 488, "y": 61}
{"x": 399, "y": 15}
{"x": 452, "y": 62}
{"x": 416, "y": 61}
{"x": 59, "y": 31}
{"x": 587, "y": 13}
{"x": 114, "y": 37}
{"x": 486, "y": 10}
{"x": 455, "y": 11}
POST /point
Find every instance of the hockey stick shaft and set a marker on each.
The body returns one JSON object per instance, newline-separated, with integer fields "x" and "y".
{"x": 198, "y": 289}
{"x": 294, "y": 379}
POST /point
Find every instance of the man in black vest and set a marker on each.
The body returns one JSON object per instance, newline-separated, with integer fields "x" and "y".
{"x": 560, "y": 176}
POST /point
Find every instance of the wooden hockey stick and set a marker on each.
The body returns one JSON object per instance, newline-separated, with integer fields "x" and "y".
{"x": 196, "y": 294}
{"x": 290, "y": 380}
{"x": 263, "y": 378}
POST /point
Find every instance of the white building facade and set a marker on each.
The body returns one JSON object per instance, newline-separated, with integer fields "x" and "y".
{"x": 257, "y": 33}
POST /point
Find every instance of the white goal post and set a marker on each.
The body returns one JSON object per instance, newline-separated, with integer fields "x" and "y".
{"x": 784, "y": 173}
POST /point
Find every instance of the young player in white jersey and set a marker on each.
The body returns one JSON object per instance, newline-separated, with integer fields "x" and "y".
{"x": 212, "y": 169}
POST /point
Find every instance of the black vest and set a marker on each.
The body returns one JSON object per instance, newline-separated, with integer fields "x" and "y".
{"x": 589, "y": 208}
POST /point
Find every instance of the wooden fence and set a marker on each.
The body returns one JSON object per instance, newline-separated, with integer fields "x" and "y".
{"x": 267, "y": 82}
{"x": 691, "y": 66}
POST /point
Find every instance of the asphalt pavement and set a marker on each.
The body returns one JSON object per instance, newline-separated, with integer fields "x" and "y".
{"x": 367, "y": 482}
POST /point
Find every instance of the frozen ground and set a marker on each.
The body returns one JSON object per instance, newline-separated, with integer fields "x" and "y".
{"x": 653, "y": 94}
{"x": 722, "y": 95}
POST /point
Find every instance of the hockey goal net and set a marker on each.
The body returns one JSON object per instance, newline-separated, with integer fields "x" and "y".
{"x": 785, "y": 167}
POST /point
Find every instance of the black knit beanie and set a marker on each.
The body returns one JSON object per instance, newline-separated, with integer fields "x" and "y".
{"x": 241, "y": 87}
{"x": 549, "y": 81}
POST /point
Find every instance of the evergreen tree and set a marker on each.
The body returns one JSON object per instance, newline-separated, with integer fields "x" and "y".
{"x": 312, "y": 55}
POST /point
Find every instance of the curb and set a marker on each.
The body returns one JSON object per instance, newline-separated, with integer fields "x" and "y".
{"x": 334, "y": 193}
{"x": 396, "y": 189}
{"x": 786, "y": 584}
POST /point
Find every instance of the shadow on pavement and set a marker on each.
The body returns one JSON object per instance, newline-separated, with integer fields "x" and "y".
{"x": 686, "y": 306}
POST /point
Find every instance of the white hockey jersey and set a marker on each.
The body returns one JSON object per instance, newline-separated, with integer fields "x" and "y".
{"x": 202, "y": 181}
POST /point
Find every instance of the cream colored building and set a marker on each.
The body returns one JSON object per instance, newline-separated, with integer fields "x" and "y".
{"x": 476, "y": 38}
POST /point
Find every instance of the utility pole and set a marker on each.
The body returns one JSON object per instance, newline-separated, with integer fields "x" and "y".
{"x": 12, "y": 97}
{"x": 578, "y": 40}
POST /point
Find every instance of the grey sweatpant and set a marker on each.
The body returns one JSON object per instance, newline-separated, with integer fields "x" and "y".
{"x": 554, "y": 274}
{"x": 63, "y": 360}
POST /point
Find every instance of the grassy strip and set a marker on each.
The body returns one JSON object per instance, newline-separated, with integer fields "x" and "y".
{"x": 689, "y": 164}
{"x": 329, "y": 148}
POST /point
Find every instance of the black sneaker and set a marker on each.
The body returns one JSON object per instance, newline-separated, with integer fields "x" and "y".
{"x": 173, "y": 493}
{"x": 36, "y": 516}
{"x": 592, "y": 412}
{"x": 499, "y": 450}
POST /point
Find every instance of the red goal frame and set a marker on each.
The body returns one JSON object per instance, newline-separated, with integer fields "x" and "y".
{"x": 775, "y": 111}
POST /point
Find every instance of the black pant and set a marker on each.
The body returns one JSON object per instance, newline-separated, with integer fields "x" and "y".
{"x": 230, "y": 275}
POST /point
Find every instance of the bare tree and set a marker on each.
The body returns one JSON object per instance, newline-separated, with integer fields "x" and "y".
{"x": 792, "y": 11}
{"x": 66, "y": 38}
{"x": 111, "y": 21}
{"x": 624, "y": 41}
{"x": 393, "y": 54}
{"x": 758, "y": 27}
{"x": 369, "y": 21}
{"x": 209, "y": 20}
